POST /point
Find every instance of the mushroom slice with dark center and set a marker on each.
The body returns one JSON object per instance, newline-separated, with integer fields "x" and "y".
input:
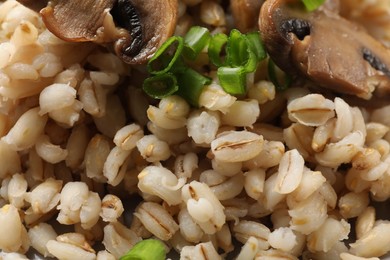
{"x": 151, "y": 22}
{"x": 136, "y": 28}
{"x": 326, "y": 48}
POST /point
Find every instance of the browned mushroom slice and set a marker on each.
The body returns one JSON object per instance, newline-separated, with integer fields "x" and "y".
{"x": 150, "y": 22}
{"x": 245, "y": 13}
{"x": 145, "y": 25}
{"x": 75, "y": 20}
{"x": 329, "y": 50}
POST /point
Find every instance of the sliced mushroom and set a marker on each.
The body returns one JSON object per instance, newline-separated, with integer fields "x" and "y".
{"x": 156, "y": 21}
{"x": 245, "y": 13}
{"x": 75, "y": 21}
{"x": 136, "y": 28}
{"x": 324, "y": 47}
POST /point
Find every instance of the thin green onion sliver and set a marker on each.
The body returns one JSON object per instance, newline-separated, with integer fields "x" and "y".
{"x": 251, "y": 63}
{"x": 272, "y": 75}
{"x": 145, "y": 250}
{"x": 195, "y": 41}
{"x": 311, "y": 5}
{"x": 160, "y": 86}
{"x": 256, "y": 45}
{"x": 166, "y": 56}
{"x": 191, "y": 84}
{"x": 237, "y": 49}
{"x": 216, "y": 47}
{"x": 232, "y": 80}
{"x": 240, "y": 52}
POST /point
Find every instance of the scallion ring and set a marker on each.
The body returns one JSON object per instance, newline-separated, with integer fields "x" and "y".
{"x": 191, "y": 85}
{"x": 166, "y": 56}
{"x": 195, "y": 41}
{"x": 256, "y": 45}
{"x": 216, "y": 49}
{"x": 160, "y": 86}
{"x": 232, "y": 80}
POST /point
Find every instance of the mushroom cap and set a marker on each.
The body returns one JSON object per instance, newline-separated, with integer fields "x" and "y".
{"x": 325, "y": 48}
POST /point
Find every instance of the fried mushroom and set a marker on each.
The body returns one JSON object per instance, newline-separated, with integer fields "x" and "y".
{"x": 327, "y": 49}
{"x": 135, "y": 28}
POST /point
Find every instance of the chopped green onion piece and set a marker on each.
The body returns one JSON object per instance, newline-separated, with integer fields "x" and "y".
{"x": 216, "y": 47}
{"x": 237, "y": 49}
{"x": 273, "y": 72}
{"x": 240, "y": 52}
{"x": 195, "y": 41}
{"x": 166, "y": 56}
{"x": 311, "y": 5}
{"x": 232, "y": 80}
{"x": 191, "y": 85}
{"x": 256, "y": 45}
{"x": 146, "y": 250}
{"x": 160, "y": 86}
{"x": 251, "y": 63}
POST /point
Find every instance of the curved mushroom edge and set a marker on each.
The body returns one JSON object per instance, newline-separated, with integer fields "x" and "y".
{"x": 325, "y": 48}
{"x": 134, "y": 28}
{"x": 150, "y": 24}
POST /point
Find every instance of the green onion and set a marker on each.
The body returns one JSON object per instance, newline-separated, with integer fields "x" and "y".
{"x": 232, "y": 80}
{"x": 195, "y": 41}
{"x": 161, "y": 85}
{"x": 256, "y": 45}
{"x": 146, "y": 250}
{"x": 166, "y": 56}
{"x": 216, "y": 47}
{"x": 240, "y": 52}
{"x": 191, "y": 85}
{"x": 311, "y": 5}
{"x": 237, "y": 49}
{"x": 251, "y": 63}
{"x": 235, "y": 56}
{"x": 274, "y": 76}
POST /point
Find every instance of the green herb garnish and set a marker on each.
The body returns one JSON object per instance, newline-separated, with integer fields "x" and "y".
{"x": 311, "y": 5}
{"x": 149, "y": 249}
{"x": 161, "y": 86}
{"x": 195, "y": 41}
{"x": 234, "y": 56}
{"x": 166, "y": 56}
{"x": 280, "y": 79}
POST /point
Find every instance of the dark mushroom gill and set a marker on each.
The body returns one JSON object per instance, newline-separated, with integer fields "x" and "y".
{"x": 151, "y": 24}
{"x": 326, "y": 48}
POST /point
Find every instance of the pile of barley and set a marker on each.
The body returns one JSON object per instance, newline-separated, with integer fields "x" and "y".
{"x": 73, "y": 148}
